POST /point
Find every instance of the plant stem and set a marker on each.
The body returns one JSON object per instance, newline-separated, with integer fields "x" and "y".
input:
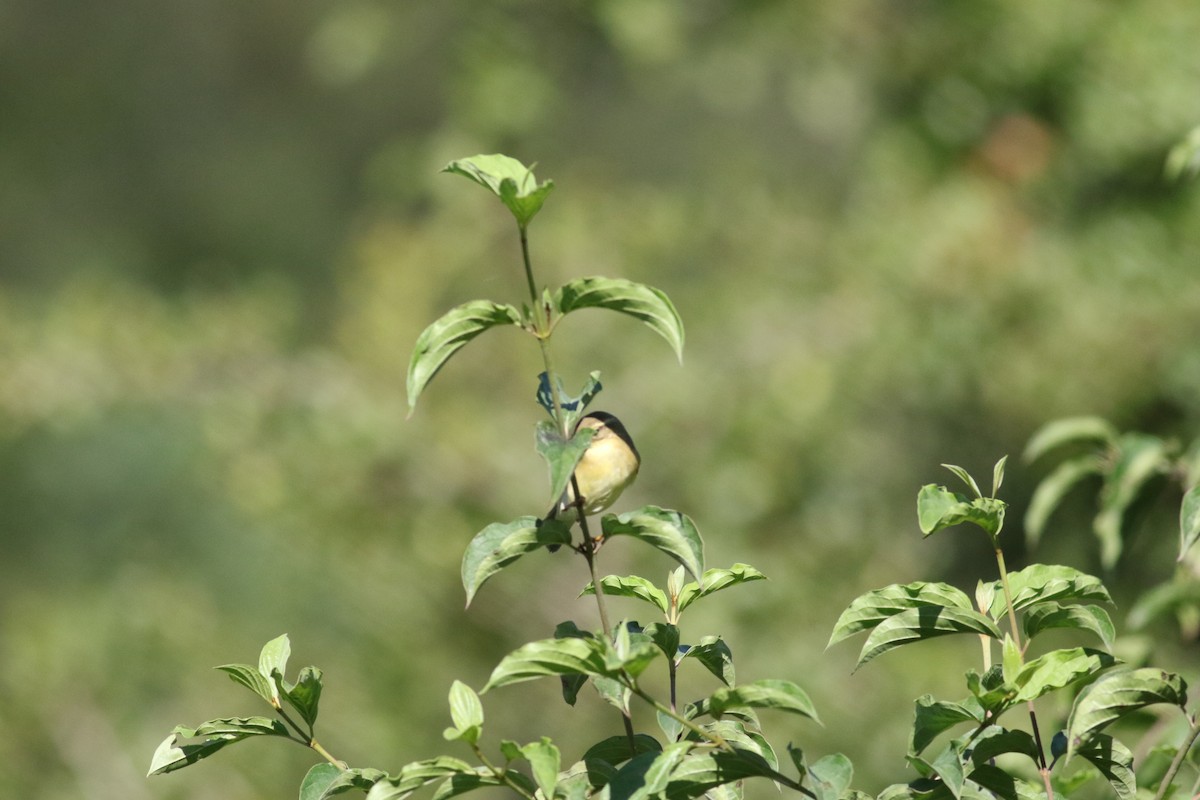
{"x": 1180, "y": 755}
{"x": 308, "y": 740}
{"x": 1043, "y": 767}
{"x": 501, "y": 774}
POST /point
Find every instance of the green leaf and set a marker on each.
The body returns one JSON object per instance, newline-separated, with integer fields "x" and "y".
{"x": 1184, "y": 158}
{"x": 305, "y": 696}
{"x": 466, "y": 712}
{"x": 934, "y": 717}
{"x": 1066, "y": 431}
{"x": 996, "y": 741}
{"x": 714, "y": 654}
{"x": 669, "y": 531}
{"x": 1050, "y": 492}
{"x": 572, "y": 406}
{"x": 561, "y": 456}
{"x": 1117, "y": 694}
{"x": 545, "y": 760}
{"x": 251, "y": 678}
{"x": 274, "y": 656}
{"x": 1040, "y": 583}
{"x": 830, "y": 776}
{"x": 998, "y": 475}
{"x": 630, "y": 586}
{"x": 1138, "y": 459}
{"x": 700, "y": 772}
{"x": 872, "y": 608}
{"x": 550, "y": 657}
{"x": 939, "y": 508}
{"x": 326, "y": 780}
{"x": 447, "y": 335}
{"x": 416, "y": 775}
{"x": 217, "y": 734}
{"x": 666, "y": 637}
{"x": 615, "y": 749}
{"x": 925, "y": 622}
{"x": 1189, "y": 521}
{"x": 645, "y": 303}
{"x": 1166, "y": 598}
{"x": 1057, "y": 669}
{"x": 777, "y": 694}
{"x": 613, "y": 692}
{"x": 715, "y": 580}
{"x": 500, "y": 544}
{"x": 1010, "y": 659}
{"x": 508, "y": 179}
{"x": 1045, "y": 616}
{"x": 948, "y": 767}
{"x": 1115, "y": 762}
{"x": 965, "y": 477}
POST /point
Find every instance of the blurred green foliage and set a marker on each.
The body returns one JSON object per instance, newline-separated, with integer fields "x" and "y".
{"x": 899, "y": 233}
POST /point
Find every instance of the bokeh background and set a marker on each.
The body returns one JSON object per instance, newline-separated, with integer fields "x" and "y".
{"x": 899, "y": 234}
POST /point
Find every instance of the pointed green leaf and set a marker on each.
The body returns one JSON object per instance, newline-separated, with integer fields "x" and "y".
{"x": 1066, "y": 431}
{"x": 613, "y": 692}
{"x": 572, "y": 407}
{"x": 715, "y": 580}
{"x": 561, "y": 455}
{"x": 700, "y": 772}
{"x": 1010, "y": 659}
{"x": 666, "y": 637}
{"x": 872, "y": 608}
{"x": 830, "y": 776}
{"x": 274, "y": 656}
{"x": 1057, "y": 669}
{"x": 1040, "y": 583}
{"x": 480, "y": 778}
{"x": 965, "y": 477}
{"x": 1115, "y": 762}
{"x": 948, "y": 768}
{"x": 645, "y": 303}
{"x": 1044, "y": 616}
{"x": 615, "y": 749}
{"x": 466, "y": 711}
{"x": 1138, "y": 459}
{"x": 925, "y": 622}
{"x": 939, "y": 508}
{"x": 545, "y": 761}
{"x": 326, "y": 780}
{"x": 251, "y": 678}
{"x": 305, "y": 695}
{"x": 716, "y": 657}
{"x": 447, "y": 335}
{"x": 998, "y": 475}
{"x": 934, "y": 717}
{"x": 769, "y": 693}
{"x": 550, "y": 657}
{"x": 669, "y": 531}
{"x": 630, "y": 586}
{"x": 416, "y": 775}
{"x": 1189, "y": 521}
{"x": 509, "y": 179}
{"x": 1117, "y": 694}
{"x": 500, "y": 544}
{"x": 217, "y": 734}
{"x": 1050, "y": 492}
{"x": 996, "y": 741}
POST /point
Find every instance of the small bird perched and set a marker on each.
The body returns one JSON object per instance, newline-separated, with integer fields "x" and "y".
{"x": 609, "y": 464}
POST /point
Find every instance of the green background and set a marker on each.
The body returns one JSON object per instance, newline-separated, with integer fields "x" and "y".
{"x": 899, "y": 234}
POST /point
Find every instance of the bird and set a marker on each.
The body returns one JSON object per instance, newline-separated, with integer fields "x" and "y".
{"x": 607, "y": 467}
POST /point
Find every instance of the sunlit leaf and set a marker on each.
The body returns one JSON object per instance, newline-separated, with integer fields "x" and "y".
{"x": 1045, "y": 616}
{"x": 642, "y": 302}
{"x": 715, "y": 655}
{"x": 508, "y": 179}
{"x": 996, "y": 741}
{"x": 669, "y": 531}
{"x": 998, "y": 475}
{"x": 500, "y": 544}
{"x": 1189, "y": 521}
{"x": 1115, "y": 762}
{"x": 1117, "y": 694}
{"x": 1050, "y": 492}
{"x": 561, "y": 455}
{"x": 715, "y": 580}
{"x": 274, "y": 656}
{"x": 1040, "y": 583}
{"x": 830, "y": 776}
{"x": 925, "y": 622}
{"x": 447, "y": 335}
{"x": 1057, "y": 669}
{"x": 416, "y": 775}
{"x": 216, "y": 734}
{"x": 544, "y": 761}
{"x": 934, "y": 717}
{"x": 630, "y": 586}
{"x": 965, "y": 477}
{"x": 305, "y": 695}
{"x": 1066, "y": 431}
{"x": 466, "y": 712}
{"x": 326, "y": 780}
{"x": 775, "y": 694}
{"x": 1138, "y": 459}
{"x": 939, "y": 508}
{"x": 872, "y": 608}
{"x": 251, "y": 678}
{"x": 550, "y": 657}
